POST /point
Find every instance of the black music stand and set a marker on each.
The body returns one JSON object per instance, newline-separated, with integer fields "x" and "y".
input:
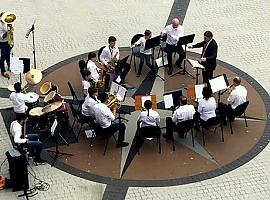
{"x": 176, "y": 94}
{"x": 184, "y": 41}
{"x": 151, "y": 44}
{"x": 57, "y": 153}
{"x": 32, "y": 30}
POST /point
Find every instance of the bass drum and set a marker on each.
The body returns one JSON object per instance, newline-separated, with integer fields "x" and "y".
{"x": 62, "y": 115}
{"x": 39, "y": 120}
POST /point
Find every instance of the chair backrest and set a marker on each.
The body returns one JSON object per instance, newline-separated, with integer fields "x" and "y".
{"x": 239, "y": 110}
{"x": 214, "y": 121}
{"x": 100, "y": 51}
{"x": 82, "y": 65}
{"x": 73, "y": 111}
{"x": 185, "y": 126}
{"x": 149, "y": 131}
{"x": 135, "y": 38}
{"x": 72, "y": 91}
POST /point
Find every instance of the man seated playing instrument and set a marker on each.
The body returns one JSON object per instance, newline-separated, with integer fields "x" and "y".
{"x": 148, "y": 117}
{"x": 90, "y": 101}
{"x": 110, "y": 55}
{"x": 31, "y": 141}
{"x": 104, "y": 117}
{"x": 86, "y": 75}
{"x": 182, "y": 113}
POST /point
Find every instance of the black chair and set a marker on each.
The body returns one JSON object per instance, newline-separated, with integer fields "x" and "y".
{"x": 238, "y": 111}
{"x": 100, "y": 51}
{"x": 213, "y": 123}
{"x": 82, "y": 66}
{"x": 150, "y": 132}
{"x": 185, "y": 127}
{"x": 135, "y": 50}
{"x": 75, "y": 99}
{"x": 82, "y": 120}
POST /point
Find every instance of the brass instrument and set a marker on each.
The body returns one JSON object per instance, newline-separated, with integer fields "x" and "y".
{"x": 101, "y": 79}
{"x": 8, "y": 18}
{"x": 113, "y": 63}
{"x": 113, "y": 102}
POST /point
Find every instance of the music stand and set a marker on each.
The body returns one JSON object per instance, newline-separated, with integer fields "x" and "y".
{"x": 32, "y": 30}
{"x": 19, "y": 66}
{"x": 219, "y": 83}
{"x": 151, "y": 44}
{"x": 195, "y": 64}
{"x": 184, "y": 41}
{"x": 55, "y": 134}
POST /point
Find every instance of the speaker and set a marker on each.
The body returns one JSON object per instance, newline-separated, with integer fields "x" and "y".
{"x": 18, "y": 171}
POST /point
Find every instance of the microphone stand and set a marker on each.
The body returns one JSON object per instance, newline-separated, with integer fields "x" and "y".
{"x": 32, "y": 30}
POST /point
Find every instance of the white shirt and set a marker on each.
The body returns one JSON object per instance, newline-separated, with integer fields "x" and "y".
{"x": 88, "y": 106}
{"x": 18, "y": 100}
{"x": 91, "y": 66}
{"x": 16, "y": 132}
{"x": 183, "y": 113}
{"x": 86, "y": 84}
{"x": 3, "y": 30}
{"x": 142, "y": 42}
{"x": 175, "y": 34}
{"x": 152, "y": 120}
{"x": 108, "y": 53}
{"x": 103, "y": 115}
{"x": 207, "y": 108}
{"x": 237, "y": 96}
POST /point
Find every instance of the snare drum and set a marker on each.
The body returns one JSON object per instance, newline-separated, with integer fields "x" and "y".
{"x": 32, "y": 100}
{"x": 40, "y": 120}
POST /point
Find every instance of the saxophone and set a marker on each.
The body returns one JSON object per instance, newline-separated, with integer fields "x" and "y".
{"x": 113, "y": 63}
{"x": 102, "y": 73}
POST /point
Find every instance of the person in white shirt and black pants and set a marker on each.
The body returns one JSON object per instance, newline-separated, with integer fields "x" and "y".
{"x": 144, "y": 54}
{"x": 86, "y": 76}
{"x": 148, "y": 117}
{"x": 182, "y": 113}
{"x": 174, "y": 31}
{"x": 90, "y": 101}
{"x": 104, "y": 117}
{"x": 237, "y": 96}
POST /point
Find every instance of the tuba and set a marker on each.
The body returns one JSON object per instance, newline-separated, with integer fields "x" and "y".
{"x": 8, "y": 18}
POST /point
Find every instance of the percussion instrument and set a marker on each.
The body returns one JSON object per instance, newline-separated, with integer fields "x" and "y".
{"x": 52, "y": 97}
{"x": 32, "y": 100}
{"x": 39, "y": 119}
{"x": 33, "y": 77}
{"x": 52, "y": 107}
{"x": 47, "y": 87}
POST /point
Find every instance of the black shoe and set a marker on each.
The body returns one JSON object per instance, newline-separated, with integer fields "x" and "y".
{"x": 39, "y": 161}
{"x": 122, "y": 144}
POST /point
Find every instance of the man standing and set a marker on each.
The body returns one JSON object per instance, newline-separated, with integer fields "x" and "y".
{"x": 208, "y": 56}
{"x": 4, "y": 46}
{"x": 174, "y": 31}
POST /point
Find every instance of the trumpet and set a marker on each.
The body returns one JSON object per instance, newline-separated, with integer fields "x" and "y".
{"x": 8, "y": 18}
{"x": 113, "y": 102}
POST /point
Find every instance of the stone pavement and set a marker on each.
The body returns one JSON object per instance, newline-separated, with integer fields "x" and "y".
{"x": 67, "y": 28}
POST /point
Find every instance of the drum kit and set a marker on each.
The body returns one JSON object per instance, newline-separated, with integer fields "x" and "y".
{"x": 41, "y": 118}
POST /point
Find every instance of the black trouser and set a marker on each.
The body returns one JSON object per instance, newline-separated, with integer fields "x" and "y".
{"x": 170, "y": 127}
{"x": 170, "y": 49}
{"x": 207, "y": 74}
{"x": 121, "y": 127}
{"x": 122, "y": 69}
{"x": 5, "y": 55}
{"x": 148, "y": 59}
{"x": 225, "y": 110}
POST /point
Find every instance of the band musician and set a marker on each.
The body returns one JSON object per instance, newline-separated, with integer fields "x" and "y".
{"x": 237, "y": 95}
{"x": 174, "y": 31}
{"x": 182, "y": 113}
{"x": 148, "y": 117}
{"x": 109, "y": 57}
{"x": 30, "y": 141}
{"x": 104, "y": 117}
{"x": 90, "y": 101}
{"x": 86, "y": 82}
{"x": 208, "y": 56}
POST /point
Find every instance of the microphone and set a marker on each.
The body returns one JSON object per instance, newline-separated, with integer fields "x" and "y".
{"x": 28, "y": 33}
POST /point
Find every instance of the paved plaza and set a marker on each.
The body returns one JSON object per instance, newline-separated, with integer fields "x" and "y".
{"x": 67, "y": 28}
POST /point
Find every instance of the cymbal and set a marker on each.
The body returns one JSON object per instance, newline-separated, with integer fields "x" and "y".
{"x": 33, "y": 77}
{"x": 52, "y": 107}
{"x": 36, "y": 111}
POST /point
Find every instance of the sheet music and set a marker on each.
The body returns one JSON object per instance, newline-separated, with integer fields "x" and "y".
{"x": 218, "y": 84}
{"x": 168, "y": 100}
{"x": 198, "y": 91}
{"x": 89, "y": 134}
{"x": 144, "y": 98}
{"x": 114, "y": 88}
{"x": 122, "y": 92}
{"x": 16, "y": 65}
{"x": 160, "y": 63}
{"x": 195, "y": 64}
{"x": 118, "y": 80}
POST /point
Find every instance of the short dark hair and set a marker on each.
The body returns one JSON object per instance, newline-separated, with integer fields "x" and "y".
{"x": 208, "y": 34}
{"x": 148, "y": 104}
{"x": 92, "y": 91}
{"x": 237, "y": 80}
{"x": 91, "y": 55}
{"x": 207, "y": 92}
{"x": 21, "y": 116}
{"x": 86, "y": 73}
{"x": 103, "y": 97}
{"x": 17, "y": 87}
{"x": 112, "y": 39}
{"x": 147, "y": 32}
{"x": 183, "y": 100}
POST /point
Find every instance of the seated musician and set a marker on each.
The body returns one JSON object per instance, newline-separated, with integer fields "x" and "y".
{"x": 237, "y": 96}
{"x": 86, "y": 75}
{"x": 144, "y": 54}
{"x": 19, "y": 98}
{"x": 207, "y": 106}
{"x": 182, "y": 113}
{"x": 31, "y": 141}
{"x": 95, "y": 71}
{"x": 109, "y": 55}
{"x": 91, "y": 99}
{"x": 104, "y": 117}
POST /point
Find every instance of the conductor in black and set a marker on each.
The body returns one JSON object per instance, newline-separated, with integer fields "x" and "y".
{"x": 209, "y": 55}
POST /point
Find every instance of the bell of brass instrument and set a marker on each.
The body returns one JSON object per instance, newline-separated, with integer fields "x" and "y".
{"x": 8, "y": 18}
{"x": 112, "y": 101}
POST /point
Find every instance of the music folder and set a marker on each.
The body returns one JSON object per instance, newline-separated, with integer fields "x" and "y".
{"x": 219, "y": 83}
{"x": 172, "y": 98}
{"x": 119, "y": 90}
